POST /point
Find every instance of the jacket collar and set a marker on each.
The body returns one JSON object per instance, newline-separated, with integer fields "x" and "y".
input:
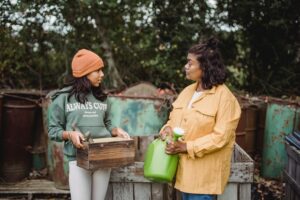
{"x": 210, "y": 91}
{"x": 205, "y": 92}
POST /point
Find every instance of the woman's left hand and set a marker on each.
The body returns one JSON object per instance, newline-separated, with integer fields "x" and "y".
{"x": 118, "y": 132}
{"x": 176, "y": 147}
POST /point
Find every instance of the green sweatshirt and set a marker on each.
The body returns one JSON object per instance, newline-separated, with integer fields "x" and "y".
{"x": 93, "y": 116}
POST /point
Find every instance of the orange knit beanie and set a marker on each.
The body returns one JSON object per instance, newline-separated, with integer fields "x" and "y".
{"x": 85, "y": 62}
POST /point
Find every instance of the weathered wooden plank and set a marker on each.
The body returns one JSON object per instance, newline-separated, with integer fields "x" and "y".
{"x": 240, "y": 155}
{"x": 123, "y": 191}
{"x": 108, "y": 139}
{"x": 230, "y": 193}
{"x": 109, "y": 193}
{"x": 178, "y": 195}
{"x": 245, "y": 191}
{"x": 142, "y": 191}
{"x": 35, "y": 186}
{"x": 241, "y": 172}
{"x": 157, "y": 191}
{"x": 131, "y": 173}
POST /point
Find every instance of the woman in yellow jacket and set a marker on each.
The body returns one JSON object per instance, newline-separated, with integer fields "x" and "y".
{"x": 208, "y": 113}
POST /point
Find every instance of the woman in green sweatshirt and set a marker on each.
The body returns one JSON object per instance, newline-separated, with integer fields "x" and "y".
{"x": 83, "y": 107}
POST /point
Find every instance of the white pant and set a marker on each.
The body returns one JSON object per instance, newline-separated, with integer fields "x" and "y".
{"x": 87, "y": 185}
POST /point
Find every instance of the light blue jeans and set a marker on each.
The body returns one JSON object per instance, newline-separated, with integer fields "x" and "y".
{"x": 189, "y": 196}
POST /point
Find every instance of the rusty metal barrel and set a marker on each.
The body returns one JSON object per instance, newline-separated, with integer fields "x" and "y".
{"x": 58, "y": 166}
{"x": 18, "y": 117}
{"x": 247, "y": 127}
{"x": 261, "y": 120}
{"x": 280, "y": 122}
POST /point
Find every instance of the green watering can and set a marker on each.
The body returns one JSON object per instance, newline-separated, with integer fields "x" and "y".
{"x": 159, "y": 166}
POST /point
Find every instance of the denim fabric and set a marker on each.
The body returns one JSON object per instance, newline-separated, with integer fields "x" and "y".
{"x": 188, "y": 196}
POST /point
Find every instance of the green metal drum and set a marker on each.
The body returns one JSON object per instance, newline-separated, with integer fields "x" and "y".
{"x": 280, "y": 120}
{"x": 139, "y": 116}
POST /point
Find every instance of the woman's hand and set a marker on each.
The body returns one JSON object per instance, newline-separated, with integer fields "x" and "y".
{"x": 176, "y": 147}
{"x": 167, "y": 131}
{"x": 118, "y": 132}
{"x": 76, "y": 138}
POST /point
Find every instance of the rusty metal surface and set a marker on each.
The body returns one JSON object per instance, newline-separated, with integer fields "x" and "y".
{"x": 138, "y": 115}
{"x": 247, "y": 127}
{"x": 261, "y": 120}
{"x": 17, "y": 138}
{"x": 279, "y": 123}
{"x": 57, "y": 165}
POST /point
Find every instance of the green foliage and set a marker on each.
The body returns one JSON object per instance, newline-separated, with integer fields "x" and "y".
{"x": 267, "y": 42}
{"x": 147, "y": 40}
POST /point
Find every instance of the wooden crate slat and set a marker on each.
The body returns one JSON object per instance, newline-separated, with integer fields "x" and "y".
{"x": 123, "y": 191}
{"x": 142, "y": 191}
{"x": 245, "y": 191}
{"x": 109, "y": 193}
{"x": 240, "y": 155}
{"x": 106, "y": 153}
{"x": 230, "y": 193}
{"x": 157, "y": 191}
{"x": 241, "y": 172}
{"x": 131, "y": 173}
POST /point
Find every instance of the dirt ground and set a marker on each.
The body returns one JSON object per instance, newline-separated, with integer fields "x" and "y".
{"x": 265, "y": 189}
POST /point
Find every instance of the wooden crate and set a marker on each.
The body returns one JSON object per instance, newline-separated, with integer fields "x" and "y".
{"x": 106, "y": 153}
{"x": 241, "y": 176}
{"x": 292, "y": 173}
{"x": 129, "y": 182}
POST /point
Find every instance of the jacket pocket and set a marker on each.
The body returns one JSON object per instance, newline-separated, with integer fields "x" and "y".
{"x": 205, "y": 117}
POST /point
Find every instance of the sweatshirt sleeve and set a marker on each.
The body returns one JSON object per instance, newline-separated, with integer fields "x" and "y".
{"x": 56, "y": 120}
{"x": 108, "y": 117}
{"x": 224, "y": 130}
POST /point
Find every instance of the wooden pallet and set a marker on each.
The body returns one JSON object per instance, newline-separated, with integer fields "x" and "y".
{"x": 32, "y": 189}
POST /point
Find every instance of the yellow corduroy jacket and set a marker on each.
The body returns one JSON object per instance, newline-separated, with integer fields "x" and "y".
{"x": 209, "y": 126}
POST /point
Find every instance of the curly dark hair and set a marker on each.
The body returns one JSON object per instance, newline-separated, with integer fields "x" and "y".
{"x": 80, "y": 88}
{"x": 211, "y": 62}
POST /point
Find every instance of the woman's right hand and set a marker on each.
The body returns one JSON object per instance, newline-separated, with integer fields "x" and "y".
{"x": 76, "y": 138}
{"x": 167, "y": 131}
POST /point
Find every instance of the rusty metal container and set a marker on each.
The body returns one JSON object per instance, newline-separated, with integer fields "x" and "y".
{"x": 139, "y": 115}
{"x": 18, "y": 119}
{"x": 39, "y": 156}
{"x": 247, "y": 127}
{"x": 58, "y": 167}
{"x": 261, "y": 120}
{"x": 280, "y": 121}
